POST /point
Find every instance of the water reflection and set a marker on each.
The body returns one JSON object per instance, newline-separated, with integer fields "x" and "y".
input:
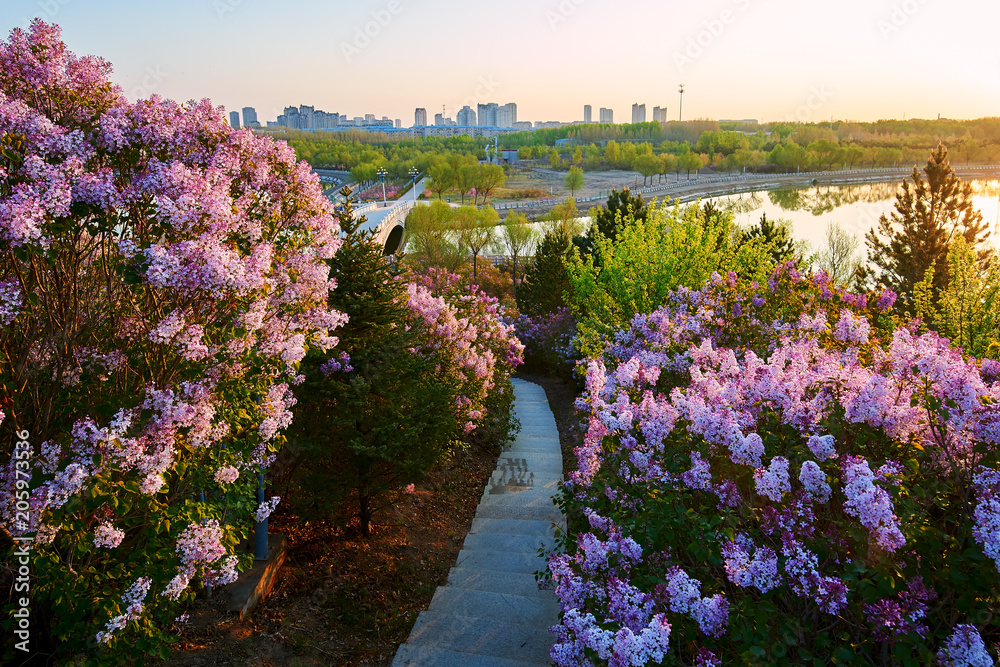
{"x": 511, "y": 476}
{"x": 856, "y": 208}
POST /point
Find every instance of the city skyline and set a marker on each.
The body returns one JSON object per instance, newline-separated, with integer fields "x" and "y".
{"x": 772, "y": 60}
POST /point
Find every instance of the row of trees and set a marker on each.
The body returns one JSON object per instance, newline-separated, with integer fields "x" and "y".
{"x": 466, "y": 176}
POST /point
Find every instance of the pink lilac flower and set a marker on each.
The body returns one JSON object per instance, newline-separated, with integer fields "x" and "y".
{"x": 11, "y": 300}
{"x": 870, "y": 504}
{"x": 107, "y": 536}
{"x": 706, "y": 658}
{"x": 814, "y": 481}
{"x": 699, "y": 477}
{"x": 893, "y": 618}
{"x": 226, "y": 475}
{"x": 773, "y": 481}
{"x": 851, "y": 328}
{"x": 133, "y": 601}
{"x": 823, "y": 446}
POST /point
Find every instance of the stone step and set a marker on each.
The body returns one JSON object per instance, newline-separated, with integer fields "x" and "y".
{"x": 529, "y": 544}
{"x": 491, "y": 612}
{"x": 496, "y": 581}
{"x": 482, "y": 636}
{"x": 512, "y": 527}
{"x": 533, "y": 611}
{"x": 530, "y": 498}
{"x": 428, "y": 656}
{"x": 525, "y": 563}
{"x": 491, "y": 511}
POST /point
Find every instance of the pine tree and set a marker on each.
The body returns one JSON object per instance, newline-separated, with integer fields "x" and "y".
{"x": 776, "y": 234}
{"x": 546, "y": 279}
{"x": 622, "y": 208}
{"x": 380, "y": 420}
{"x": 929, "y": 215}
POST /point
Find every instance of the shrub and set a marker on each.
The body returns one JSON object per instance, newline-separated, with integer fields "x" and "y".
{"x": 782, "y": 477}
{"x": 162, "y": 277}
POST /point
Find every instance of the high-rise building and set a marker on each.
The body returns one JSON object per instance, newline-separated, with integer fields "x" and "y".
{"x": 420, "y": 117}
{"x": 487, "y": 114}
{"x": 660, "y": 114}
{"x": 250, "y": 117}
{"x": 234, "y": 119}
{"x": 588, "y": 114}
{"x": 467, "y": 116}
{"x": 507, "y": 115}
{"x": 607, "y": 115}
{"x": 638, "y": 113}
{"x": 438, "y": 119}
{"x": 399, "y": 124}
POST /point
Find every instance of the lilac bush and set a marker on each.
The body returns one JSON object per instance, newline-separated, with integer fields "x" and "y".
{"x": 548, "y": 341}
{"x": 162, "y": 277}
{"x": 784, "y": 475}
{"x": 479, "y": 351}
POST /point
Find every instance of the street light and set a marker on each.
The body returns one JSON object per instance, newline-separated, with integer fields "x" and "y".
{"x": 381, "y": 173}
{"x": 680, "y": 110}
{"x": 413, "y": 178}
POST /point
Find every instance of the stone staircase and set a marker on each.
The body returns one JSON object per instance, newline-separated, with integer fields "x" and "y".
{"x": 491, "y": 613}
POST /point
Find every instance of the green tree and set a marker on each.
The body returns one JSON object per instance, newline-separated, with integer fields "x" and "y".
{"x": 574, "y": 180}
{"x": 930, "y": 214}
{"x": 578, "y": 156}
{"x": 380, "y": 419}
{"x": 466, "y": 177}
{"x": 442, "y": 178}
{"x": 490, "y": 177}
{"x": 775, "y": 235}
{"x": 968, "y": 311}
{"x": 636, "y": 273}
{"x": 428, "y": 233}
{"x": 546, "y": 281}
{"x": 554, "y": 159}
{"x": 648, "y": 165}
{"x": 476, "y": 231}
{"x": 518, "y": 235}
{"x": 621, "y": 209}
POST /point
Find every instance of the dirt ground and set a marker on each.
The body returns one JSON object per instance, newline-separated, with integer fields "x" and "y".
{"x": 344, "y": 599}
{"x": 595, "y": 182}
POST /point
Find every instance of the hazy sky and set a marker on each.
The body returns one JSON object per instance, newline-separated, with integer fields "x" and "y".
{"x": 764, "y": 59}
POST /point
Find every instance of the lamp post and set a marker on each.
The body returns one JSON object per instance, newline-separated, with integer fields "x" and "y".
{"x": 413, "y": 178}
{"x": 381, "y": 174}
{"x": 680, "y": 109}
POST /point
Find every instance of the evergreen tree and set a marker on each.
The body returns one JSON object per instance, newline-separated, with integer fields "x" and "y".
{"x": 929, "y": 215}
{"x": 774, "y": 233}
{"x": 371, "y": 417}
{"x": 547, "y": 279}
{"x": 622, "y": 208}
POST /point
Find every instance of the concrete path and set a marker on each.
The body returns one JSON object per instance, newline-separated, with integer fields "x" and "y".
{"x": 491, "y": 613}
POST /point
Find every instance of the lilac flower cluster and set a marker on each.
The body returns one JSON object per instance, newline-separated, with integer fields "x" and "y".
{"x": 466, "y": 327}
{"x": 548, "y": 339}
{"x": 133, "y": 601}
{"x": 220, "y": 240}
{"x": 683, "y": 411}
{"x": 965, "y": 648}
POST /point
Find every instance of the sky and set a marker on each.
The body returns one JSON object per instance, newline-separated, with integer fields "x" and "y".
{"x": 772, "y": 60}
